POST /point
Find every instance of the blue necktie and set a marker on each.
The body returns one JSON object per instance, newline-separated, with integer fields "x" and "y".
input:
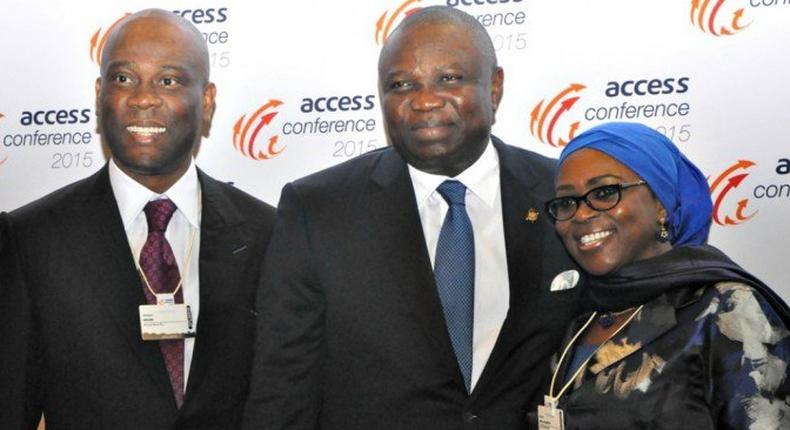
{"x": 454, "y": 271}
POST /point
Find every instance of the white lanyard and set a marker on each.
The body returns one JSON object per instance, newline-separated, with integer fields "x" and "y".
{"x": 549, "y": 416}
{"x": 183, "y": 274}
{"x": 584, "y": 364}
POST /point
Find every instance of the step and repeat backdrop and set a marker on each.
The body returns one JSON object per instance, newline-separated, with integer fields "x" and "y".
{"x": 297, "y": 92}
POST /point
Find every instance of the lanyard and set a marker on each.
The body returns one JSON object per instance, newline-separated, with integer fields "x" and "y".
{"x": 184, "y": 272}
{"x": 583, "y": 366}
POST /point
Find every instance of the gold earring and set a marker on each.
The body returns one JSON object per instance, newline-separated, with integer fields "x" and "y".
{"x": 662, "y": 235}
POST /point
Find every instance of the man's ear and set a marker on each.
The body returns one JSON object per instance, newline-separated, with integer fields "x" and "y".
{"x": 209, "y": 105}
{"x": 98, "y": 105}
{"x": 497, "y": 87}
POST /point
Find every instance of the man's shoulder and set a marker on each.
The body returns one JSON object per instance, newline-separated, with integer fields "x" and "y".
{"x": 252, "y": 209}
{"x": 62, "y": 198}
{"x": 237, "y": 195}
{"x": 350, "y": 173}
{"x": 539, "y": 164}
{"x": 528, "y": 169}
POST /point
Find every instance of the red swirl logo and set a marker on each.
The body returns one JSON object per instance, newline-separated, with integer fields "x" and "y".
{"x": 707, "y": 15}
{"x": 544, "y": 119}
{"x": 386, "y": 24}
{"x": 246, "y": 133}
{"x": 723, "y": 212}
{"x": 99, "y": 39}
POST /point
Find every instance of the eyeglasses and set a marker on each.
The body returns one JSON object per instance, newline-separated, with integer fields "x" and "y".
{"x": 600, "y": 199}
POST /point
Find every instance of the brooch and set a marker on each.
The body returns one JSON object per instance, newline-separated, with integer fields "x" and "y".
{"x": 532, "y": 215}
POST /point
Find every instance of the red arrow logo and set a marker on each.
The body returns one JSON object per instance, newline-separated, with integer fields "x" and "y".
{"x": 269, "y": 104}
{"x": 260, "y": 118}
{"x": 699, "y": 10}
{"x": 563, "y": 93}
{"x": 730, "y": 183}
{"x": 540, "y": 114}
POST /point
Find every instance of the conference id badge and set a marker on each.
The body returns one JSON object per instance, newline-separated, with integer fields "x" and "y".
{"x": 549, "y": 417}
{"x": 159, "y": 322}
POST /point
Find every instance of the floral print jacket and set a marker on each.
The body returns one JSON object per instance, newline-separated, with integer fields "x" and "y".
{"x": 708, "y": 358}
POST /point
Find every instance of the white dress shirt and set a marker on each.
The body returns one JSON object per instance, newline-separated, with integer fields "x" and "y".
{"x": 132, "y": 197}
{"x": 484, "y": 207}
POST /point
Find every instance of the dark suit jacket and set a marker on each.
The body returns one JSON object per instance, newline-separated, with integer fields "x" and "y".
{"x": 351, "y": 333}
{"x": 80, "y": 359}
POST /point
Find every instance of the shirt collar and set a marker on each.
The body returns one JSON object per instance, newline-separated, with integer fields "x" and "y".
{"x": 132, "y": 196}
{"x": 481, "y": 178}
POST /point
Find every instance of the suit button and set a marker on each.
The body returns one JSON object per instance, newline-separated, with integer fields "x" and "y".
{"x": 469, "y": 417}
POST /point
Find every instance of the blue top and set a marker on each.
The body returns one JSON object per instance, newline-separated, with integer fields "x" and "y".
{"x": 580, "y": 353}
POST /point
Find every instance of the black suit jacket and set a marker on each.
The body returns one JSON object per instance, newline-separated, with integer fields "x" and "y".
{"x": 76, "y": 352}
{"x": 351, "y": 333}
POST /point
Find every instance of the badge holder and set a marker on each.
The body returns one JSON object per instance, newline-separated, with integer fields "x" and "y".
{"x": 549, "y": 416}
{"x": 166, "y": 319}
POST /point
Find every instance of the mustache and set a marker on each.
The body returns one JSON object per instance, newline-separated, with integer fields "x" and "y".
{"x": 430, "y": 123}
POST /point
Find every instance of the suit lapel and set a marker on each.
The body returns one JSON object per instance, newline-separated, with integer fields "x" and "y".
{"x": 220, "y": 240}
{"x": 523, "y": 245}
{"x": 399, "y": 230}
{"x": 117, "y": 285}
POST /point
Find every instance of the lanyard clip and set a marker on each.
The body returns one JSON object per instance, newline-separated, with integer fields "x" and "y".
{"x": 551, "y": 403}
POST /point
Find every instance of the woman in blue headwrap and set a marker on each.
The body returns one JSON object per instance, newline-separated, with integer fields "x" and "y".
{"x": 675, "y": 335}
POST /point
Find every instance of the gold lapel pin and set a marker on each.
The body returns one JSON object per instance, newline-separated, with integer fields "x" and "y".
{"x": 532, "y": 215}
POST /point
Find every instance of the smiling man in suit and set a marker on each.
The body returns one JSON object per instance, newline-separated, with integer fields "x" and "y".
{"x": 150, "y": 229}
{"x": 409, "y": 288}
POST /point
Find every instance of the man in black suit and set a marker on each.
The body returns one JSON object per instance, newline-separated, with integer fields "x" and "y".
{"x": 359, "y": 324}
{"x": 148, "y": 229}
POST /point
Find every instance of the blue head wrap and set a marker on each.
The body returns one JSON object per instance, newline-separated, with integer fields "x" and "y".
{"x": 677, "y": 183}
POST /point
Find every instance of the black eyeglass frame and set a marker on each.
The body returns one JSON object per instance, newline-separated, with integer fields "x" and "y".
{"x": 585, "y": 198}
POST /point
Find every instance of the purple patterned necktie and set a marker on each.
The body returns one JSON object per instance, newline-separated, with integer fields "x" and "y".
{"x": 159, "y": 264}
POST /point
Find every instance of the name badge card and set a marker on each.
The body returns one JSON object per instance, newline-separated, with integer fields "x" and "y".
{"x": 549, "y": 417}
{"x": 158, "y": 322}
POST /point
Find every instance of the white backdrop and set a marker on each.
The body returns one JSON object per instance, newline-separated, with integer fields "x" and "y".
{"x": 297, "y": 91}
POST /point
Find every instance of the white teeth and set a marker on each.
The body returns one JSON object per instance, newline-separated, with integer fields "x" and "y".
{"x": 594, "y": 237}
{"x": 145, "y": 130}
